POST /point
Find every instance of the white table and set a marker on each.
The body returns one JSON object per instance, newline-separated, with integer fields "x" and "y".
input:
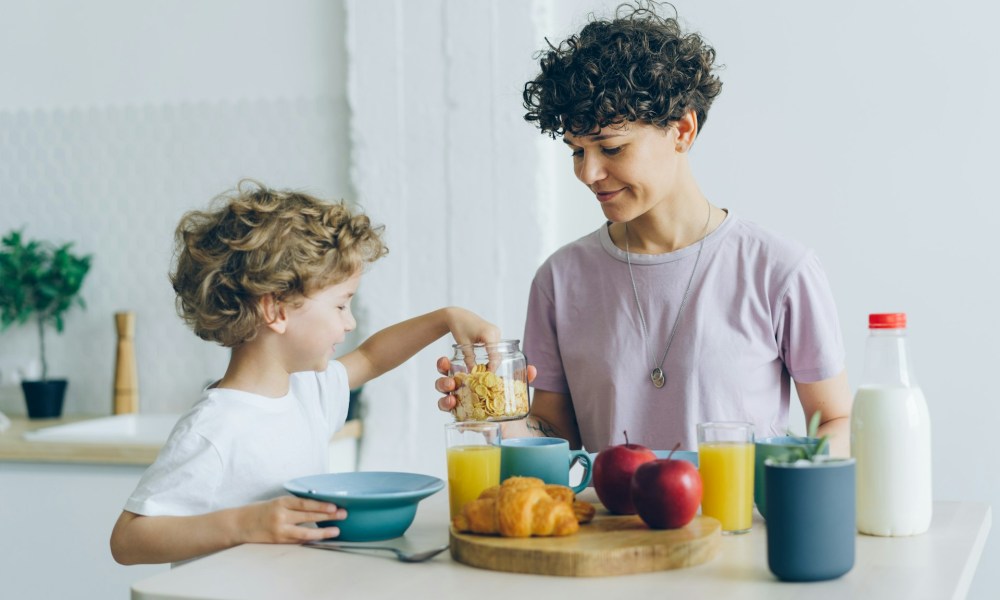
{"x": 939, "y": 564}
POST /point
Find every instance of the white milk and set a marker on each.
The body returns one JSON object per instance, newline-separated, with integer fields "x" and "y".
{"x": 891, "y": 442}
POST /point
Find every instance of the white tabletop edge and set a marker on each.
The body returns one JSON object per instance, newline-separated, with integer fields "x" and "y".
{"x": 975, "y": 554}
{"x": 964, "y": 528}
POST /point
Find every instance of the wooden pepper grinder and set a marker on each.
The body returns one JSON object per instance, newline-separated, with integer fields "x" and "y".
{"x": 126, "y": 380}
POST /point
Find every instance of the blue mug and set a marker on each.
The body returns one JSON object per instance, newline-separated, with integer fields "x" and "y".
{"x": 548, "y": 459}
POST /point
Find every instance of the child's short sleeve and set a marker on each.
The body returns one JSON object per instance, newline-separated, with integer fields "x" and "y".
{"x": 183, "y": 479}
{"x": 335, "y": 395}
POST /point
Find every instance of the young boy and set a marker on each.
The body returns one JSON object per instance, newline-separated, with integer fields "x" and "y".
{"x": 269, "y": 274}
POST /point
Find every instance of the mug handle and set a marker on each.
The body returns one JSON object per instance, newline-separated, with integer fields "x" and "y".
{"x": 584, "y": 457}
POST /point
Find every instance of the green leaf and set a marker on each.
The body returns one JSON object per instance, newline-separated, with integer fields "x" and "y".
{"x": 40, "y": 280}
{"x": 814, "y": 424}
{"x": 819, "y": 447}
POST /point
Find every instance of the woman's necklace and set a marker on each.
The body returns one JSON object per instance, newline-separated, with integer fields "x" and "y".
{"x": 656, "y": 375}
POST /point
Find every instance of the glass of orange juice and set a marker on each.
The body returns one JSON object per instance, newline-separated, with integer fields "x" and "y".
{"x": 473, "y": 460}
{"x": 725, "y": 461}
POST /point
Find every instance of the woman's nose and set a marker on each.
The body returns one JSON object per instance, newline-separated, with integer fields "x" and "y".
{"x": 590, "y": 168}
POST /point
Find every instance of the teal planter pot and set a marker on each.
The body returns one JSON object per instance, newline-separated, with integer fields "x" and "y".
{"x": 811, "y": 530}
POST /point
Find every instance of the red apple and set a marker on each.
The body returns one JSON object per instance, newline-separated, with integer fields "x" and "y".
{"x": 666, "y": 492}
{"x": 613, "y": 469}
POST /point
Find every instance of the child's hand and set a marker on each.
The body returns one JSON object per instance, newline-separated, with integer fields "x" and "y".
{"x": 446, "y": 385}
{"x": 469, "y": 328}
{"x": 278, "y": 521}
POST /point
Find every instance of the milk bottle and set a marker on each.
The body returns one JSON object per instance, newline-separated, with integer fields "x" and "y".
{"x": 891, "y": 436}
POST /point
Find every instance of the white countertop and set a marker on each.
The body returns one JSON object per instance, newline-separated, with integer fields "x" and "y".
{"x": 938, "y": 564}
{"x": 14, "y": 447}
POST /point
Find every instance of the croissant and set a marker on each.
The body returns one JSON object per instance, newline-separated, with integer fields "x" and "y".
{"x": 584, "y": 511}
{"x": 520, "y": 507}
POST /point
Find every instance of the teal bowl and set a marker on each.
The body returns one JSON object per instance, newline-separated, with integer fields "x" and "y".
{"x": 380, "y": 505}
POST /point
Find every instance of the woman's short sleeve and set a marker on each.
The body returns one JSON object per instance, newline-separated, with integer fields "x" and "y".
{"x": 808, "y": 329}
{"x": 541, "y": 341}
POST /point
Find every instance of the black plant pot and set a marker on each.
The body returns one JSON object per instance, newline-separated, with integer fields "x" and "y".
{"x": 44, "y": 398}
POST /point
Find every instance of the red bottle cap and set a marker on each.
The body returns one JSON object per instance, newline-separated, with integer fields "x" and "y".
{"x": 887, "y": 321}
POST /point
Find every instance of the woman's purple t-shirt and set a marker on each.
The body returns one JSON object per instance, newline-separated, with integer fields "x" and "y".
{"x": 760, "y": 308}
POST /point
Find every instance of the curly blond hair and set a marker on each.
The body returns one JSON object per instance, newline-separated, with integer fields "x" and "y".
{"x": 255, "y": 241}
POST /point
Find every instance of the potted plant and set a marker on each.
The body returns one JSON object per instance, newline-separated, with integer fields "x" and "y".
{"x": 810, "y": 512}
{"x": 41, "y": 280}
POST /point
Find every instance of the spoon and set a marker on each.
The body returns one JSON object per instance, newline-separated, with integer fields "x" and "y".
{"x": 404, "y": 556}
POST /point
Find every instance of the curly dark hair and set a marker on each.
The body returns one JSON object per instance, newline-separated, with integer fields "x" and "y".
{"x": 257, "y": 241}
{"x": 640, "y": 66}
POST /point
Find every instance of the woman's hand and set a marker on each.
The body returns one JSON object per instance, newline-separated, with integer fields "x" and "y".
{"x": 446, "y": 385}
{"x": 279, "y": 521}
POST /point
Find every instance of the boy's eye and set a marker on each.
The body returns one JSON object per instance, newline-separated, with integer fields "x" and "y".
{"x": 578, "y": 153}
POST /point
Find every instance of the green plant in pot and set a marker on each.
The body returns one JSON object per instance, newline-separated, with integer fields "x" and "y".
{"x": 810, "y": 512}
{"x": 810, "y": 453}
{"x": 42, "y": 281}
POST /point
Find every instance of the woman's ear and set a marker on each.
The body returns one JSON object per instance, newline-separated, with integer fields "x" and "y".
{"x": 275, "y": 316}
{"x": 687, "y": 130}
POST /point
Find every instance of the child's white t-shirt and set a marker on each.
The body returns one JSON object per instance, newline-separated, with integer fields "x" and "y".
{"x": 233, "y": 448}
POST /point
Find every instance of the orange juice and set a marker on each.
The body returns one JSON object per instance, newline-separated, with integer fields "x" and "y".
{"x": 471, "y": 469}
{"x": 727, "y": 483}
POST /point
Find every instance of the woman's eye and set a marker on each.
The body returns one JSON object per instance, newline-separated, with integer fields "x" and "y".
{"x": 578, "y": 153}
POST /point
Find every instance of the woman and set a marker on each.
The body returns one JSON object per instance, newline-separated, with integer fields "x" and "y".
{"x": 674, "y": 311}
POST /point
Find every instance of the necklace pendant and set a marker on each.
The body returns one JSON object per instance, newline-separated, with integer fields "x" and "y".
{"x": 657, "y": 377}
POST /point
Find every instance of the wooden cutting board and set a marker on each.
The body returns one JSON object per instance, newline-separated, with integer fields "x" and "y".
{"x": 609, "y": 545}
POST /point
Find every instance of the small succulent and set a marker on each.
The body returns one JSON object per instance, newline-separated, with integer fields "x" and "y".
{"x": 809, "y": 452}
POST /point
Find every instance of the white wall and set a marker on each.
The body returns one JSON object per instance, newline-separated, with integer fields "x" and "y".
{"x": 440, "y": 156}
{"x": 868, "y": 131}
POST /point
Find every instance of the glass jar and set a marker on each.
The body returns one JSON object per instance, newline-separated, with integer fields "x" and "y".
{"x": 492, "y": 381}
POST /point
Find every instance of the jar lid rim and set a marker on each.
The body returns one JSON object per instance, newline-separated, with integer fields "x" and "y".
{"x": 498, "y": 343}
